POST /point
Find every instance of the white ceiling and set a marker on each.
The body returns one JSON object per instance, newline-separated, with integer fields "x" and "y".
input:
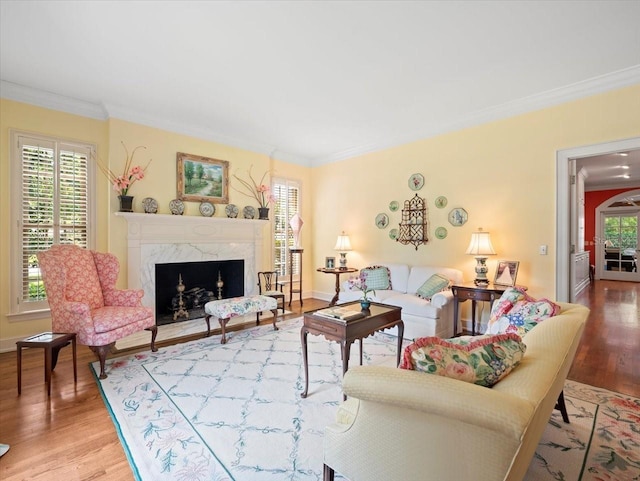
{"x": 313, "y": 82}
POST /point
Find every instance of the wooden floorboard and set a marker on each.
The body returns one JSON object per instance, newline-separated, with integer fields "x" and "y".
{"x": 70, "y": 436}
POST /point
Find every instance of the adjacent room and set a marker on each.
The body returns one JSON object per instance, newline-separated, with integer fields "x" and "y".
{"x": 356, "y": 240}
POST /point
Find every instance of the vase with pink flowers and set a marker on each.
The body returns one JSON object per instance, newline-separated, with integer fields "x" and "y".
{"x": 258, "y": 191}
{"x": 123, "y": 182}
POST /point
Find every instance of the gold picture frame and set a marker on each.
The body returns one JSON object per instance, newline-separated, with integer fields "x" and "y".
{"x": 506, "y": 273}
{"x": 202, "y": 179}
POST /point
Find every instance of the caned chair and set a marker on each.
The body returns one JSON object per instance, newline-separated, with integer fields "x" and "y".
{"x": 80, "y": 286}
{"x": 268, "y": 285}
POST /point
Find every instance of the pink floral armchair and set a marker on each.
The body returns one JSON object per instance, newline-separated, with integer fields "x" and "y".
{"x": 81, "y": 291}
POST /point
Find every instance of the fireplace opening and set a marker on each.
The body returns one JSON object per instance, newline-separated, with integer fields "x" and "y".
{"x": 183, "y": 288}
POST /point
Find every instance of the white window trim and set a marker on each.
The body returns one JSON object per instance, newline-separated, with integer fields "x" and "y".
{"x": 18, "y": 311}
{"x": 289, "y": 182}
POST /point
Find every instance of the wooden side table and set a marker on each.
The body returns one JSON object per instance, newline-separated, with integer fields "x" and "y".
{"x": 337, "y": 271}
{"x": 52, "y": 342}
{"x": 292, "y": 291}
{"x": 470, "y": 291}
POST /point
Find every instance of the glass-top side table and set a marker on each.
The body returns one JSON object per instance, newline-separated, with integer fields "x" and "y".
{"x": 51, "y": 342}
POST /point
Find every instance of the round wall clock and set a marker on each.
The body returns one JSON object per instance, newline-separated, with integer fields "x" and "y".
{"x": 458, "y": 217}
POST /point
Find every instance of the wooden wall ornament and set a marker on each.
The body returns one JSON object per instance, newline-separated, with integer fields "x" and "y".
{"x": 414, "y": 224}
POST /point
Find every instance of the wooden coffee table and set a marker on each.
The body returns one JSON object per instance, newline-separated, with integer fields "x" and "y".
{"x": 377, "y": 318}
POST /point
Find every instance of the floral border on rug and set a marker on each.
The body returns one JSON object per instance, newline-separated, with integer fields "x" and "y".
{"x": 603, "y": 438}
{"x": 163, "y": 443}
{"x": 614, "y": 451}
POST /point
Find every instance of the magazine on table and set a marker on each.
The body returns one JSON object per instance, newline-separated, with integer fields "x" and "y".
{"x": 342, "y": 313}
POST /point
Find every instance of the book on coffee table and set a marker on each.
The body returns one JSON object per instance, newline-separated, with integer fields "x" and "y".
{"x": 342, "y": 313}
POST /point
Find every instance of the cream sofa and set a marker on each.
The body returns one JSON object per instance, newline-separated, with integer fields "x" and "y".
{"x": 406, "y": 425}
{"x": 421, "y": 318}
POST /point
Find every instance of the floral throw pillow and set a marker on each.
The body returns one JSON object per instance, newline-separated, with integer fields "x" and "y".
{"x": 433, "y": 285}
{"x": 482, "y": 360}
{"x": 376, "y": 278}
{"x": 516, "y": 312}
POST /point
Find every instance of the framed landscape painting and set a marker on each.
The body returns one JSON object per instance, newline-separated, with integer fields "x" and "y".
{"x": 202, "y": 179}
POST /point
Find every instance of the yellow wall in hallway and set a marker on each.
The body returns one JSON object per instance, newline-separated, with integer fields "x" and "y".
{"x": 503, "y": 173}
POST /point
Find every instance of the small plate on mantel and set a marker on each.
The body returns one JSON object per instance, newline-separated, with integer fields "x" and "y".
{"x": 207, "y": 209}
{"x": 249, "y": 212}
{"x": 150, "y": 205}
{"x": 232, "y": 211}
{"x": 176, "y": 206}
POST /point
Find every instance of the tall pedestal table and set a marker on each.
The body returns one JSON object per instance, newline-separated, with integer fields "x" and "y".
{"x": 295, "y": 252}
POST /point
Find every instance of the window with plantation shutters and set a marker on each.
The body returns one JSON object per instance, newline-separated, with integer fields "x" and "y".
{"x": 287, "y": 203}
{"x": 52, "y": 199}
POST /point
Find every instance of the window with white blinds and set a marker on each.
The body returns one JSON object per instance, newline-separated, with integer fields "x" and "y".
{"x": 287, "y": 203}
{"x": 52, "y": 196}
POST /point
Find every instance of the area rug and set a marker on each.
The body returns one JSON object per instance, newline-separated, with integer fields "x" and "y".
{"x": 206, "y": 411}
{"x": 180, "y": 329}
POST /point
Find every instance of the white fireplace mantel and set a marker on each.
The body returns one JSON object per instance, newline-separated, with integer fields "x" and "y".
{"x": 162, "y": 238}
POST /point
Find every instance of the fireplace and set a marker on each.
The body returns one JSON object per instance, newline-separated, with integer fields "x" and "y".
{"x": 183, "y": 288}
{"x": 156, "y": 239}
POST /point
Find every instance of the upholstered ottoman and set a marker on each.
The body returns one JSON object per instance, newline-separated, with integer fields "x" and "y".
{"x": 225, "y": 309}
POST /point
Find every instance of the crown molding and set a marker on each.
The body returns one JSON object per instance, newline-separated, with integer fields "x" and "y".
{"x": 593, "y": 86}
{"x": 49, "y": 100}
{"x": 585, "y": 88}
{"x": 123, "y": 113}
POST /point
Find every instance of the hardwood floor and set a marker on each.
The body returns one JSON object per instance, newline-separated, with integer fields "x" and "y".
{"x": 70, "y": 436}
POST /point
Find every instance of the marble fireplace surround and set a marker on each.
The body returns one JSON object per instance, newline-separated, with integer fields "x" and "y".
{"x": 161, "y": 239}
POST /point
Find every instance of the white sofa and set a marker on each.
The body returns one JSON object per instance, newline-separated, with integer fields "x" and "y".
{"x": 406, "y": 425}
{"x": 421, "y": 318}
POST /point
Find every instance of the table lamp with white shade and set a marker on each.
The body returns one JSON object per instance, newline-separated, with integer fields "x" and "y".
{"x": 343, "y": 245}
{"x": 480, "y": 247}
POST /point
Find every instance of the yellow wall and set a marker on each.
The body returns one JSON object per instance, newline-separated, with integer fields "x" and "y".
{"x": 23, "y": 117}
{"x": 159, "y": 183}
{"x": 503, "y": 173}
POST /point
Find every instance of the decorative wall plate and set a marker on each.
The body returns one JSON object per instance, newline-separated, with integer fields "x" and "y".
{"x": 382, "y": 221}
{"x": 441, "y": 232}
{"x": 207, "y": 209}
{"x": 249, "y": 212}
{"x": 458, "y": 217}
{"x": 150, "y": 205}
{"x": 416, "y": 182}
{"x": 441, "y": 202}
{"x": 393, "y": 234}
{"x": 176, "y": 206}
{"x": 393, "y": 205}
{"x": 231, "y": 210}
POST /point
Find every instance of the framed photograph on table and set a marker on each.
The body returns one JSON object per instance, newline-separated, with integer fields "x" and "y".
{"x": 202, "y": 179}
{"x": 329, "y": 262}
{"x": 506, "y": 273}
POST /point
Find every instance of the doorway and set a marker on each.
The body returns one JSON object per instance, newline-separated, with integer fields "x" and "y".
{"x": 617, "y": 229}
{"x": 566, "y": 218}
